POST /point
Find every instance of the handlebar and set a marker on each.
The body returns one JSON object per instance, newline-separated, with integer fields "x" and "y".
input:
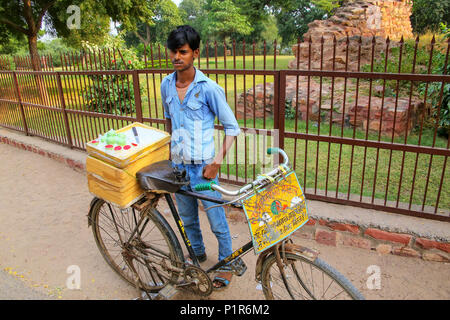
{"x": 259, "y": 181}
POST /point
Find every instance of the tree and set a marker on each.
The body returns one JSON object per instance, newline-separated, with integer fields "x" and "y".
{"x": 94, "y": 25}
{"x": 26, "y": 17}
{"x": 428, "y": 14}
{"x": 191, "y": 12}
{"x": 166, "y": 17}
{"x": 10, "y": 42}
{"x": 224, "y": 19}
{"x": 293, "y": 20}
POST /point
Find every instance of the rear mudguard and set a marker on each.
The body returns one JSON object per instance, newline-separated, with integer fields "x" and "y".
{"x": 308, "y": 254}
{"x": 89, "y": 215}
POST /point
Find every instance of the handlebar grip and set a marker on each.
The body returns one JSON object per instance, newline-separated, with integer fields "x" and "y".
{"x": 204, "y": 186}
{"x": 273, "y": 150}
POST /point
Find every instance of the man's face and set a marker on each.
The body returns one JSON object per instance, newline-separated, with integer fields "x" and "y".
{"x": 183, "y": 57}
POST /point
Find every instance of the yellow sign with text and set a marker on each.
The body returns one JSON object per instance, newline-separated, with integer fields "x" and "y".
{"x": 275, "y": 212}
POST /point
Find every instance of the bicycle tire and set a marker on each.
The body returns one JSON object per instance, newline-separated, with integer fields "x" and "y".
{"x": 156, "y": 231}
{"x": 299, "y": 284}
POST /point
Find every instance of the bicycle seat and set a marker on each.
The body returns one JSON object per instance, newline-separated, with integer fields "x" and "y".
{"x": 161, "y": 176}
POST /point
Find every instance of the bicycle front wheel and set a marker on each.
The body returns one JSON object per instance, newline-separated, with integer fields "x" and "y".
{"x": 305, "y": 280}
{"x": 127, "y": 238}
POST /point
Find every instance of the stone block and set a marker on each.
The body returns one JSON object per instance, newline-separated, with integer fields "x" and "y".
{"x": 406, "y": 252}
{"x": 388, "y": 236}
{"x": 431, "y": 244}
{"x": 326, "y": 237}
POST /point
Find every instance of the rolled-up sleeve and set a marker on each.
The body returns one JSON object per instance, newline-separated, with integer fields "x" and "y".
{"x": 219, "y": 105}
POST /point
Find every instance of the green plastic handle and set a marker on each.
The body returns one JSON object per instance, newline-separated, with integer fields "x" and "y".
{"x": 204, "y": 186}
{"x": 273, "y": 150}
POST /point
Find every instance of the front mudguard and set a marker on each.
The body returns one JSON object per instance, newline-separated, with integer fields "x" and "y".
{"x": 286, "y": 247}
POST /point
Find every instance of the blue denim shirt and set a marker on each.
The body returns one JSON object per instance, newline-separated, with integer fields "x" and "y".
{"x": 193, "y": 120}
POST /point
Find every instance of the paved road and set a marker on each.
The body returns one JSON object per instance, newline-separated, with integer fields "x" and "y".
{"x": 12, "y": 289}
{"x": 43, "y": 231}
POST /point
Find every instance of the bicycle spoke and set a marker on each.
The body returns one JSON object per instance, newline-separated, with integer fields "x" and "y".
{"x": 135, "y": 244}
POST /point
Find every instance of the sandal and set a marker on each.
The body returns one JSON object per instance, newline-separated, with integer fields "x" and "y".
{"x": 222, "y": 280}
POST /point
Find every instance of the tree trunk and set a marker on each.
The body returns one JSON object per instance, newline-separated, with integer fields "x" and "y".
{"x": 34, "y": 55}
{"x": 36, "y": 64}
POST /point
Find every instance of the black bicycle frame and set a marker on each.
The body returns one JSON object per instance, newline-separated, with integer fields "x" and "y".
{"x": 239, "y": 252}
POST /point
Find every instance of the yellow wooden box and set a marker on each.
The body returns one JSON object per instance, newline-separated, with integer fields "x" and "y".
{"x": 116, "y": 185}
{"x": 112, "y": 175}
{"x": 150, "y": 140}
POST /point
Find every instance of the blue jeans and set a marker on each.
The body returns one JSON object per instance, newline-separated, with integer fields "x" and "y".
{"x": 188, "y": 210}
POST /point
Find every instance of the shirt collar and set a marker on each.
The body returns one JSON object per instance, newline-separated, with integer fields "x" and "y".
{"x": 199, "y": 76}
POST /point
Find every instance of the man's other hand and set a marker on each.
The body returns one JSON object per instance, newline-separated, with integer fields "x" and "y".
{"x": 210, "y": 170}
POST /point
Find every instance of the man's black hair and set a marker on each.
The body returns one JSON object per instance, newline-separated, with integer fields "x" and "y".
{"x": 182, "y": 35}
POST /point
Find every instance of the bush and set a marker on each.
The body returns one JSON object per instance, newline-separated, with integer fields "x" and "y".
{"x": 434, "y": 93}
{"x": 421, "y": 64}
{"x": 111, "y": 94}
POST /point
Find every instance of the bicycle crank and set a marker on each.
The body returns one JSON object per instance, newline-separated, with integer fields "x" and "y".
{"x": 197, "y": 280}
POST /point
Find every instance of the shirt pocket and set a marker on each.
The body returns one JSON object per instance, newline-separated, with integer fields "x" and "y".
{"x": 169, "y": 105}
{"x": 194, "y": 111}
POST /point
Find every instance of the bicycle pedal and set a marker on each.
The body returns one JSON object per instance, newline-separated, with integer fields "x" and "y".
{"x": 241, "y": 269}
{"x": 237, "y": 267}
{"x": 166, "y": 293}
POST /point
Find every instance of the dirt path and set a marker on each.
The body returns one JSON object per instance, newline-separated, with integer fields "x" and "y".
{"x": 44, "y": 231}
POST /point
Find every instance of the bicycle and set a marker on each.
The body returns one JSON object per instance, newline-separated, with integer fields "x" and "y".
{"x": 141, "y": 246}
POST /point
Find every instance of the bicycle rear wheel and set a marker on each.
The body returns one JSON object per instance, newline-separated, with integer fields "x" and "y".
{"x": 305, "y": 280}
{"x": 120, "y": 241}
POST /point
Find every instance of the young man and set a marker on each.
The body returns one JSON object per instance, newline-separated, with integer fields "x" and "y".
{"x": 191, "y": 102}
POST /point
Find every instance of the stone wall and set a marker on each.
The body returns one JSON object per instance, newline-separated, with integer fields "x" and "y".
{"x": 387, "y": 115}
{"x": 361, "y": 21}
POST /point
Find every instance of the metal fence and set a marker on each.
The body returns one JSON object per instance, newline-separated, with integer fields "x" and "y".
{"x": 348, "y": 113}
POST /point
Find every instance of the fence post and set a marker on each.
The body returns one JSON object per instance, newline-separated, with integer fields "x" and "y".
{"x": 63, "y": 105}
{"x": 137, "y": 96}
{"x": 19, "y": 98}
{"x": 279, "y": 107}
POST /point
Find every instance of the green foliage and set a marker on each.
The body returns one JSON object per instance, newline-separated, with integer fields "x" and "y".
{"x": 27, "y": 17}
{"x": 11, "y": 43}
{"x": 94, "y": 25}
{"x": 111, "y": 94}
{"x": 166, "y": 18}
{"x": 224, "y": 19}
{"x": 428, "y": 14}
{"x": 293, "y": 21}
{"x": 327, "y": 5}
{"x": 191, "y": 12}
{"x": 438, "y": 107}
{"x": 392, "y": 66}
{"x": 289, "y": 110}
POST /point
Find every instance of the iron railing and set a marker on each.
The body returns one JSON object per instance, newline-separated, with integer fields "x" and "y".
{"x": 356, "y": 135}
